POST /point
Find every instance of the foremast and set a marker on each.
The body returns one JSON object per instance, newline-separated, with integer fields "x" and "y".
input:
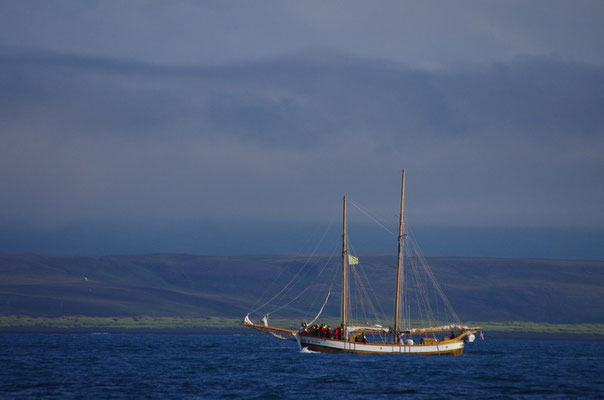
{"x": 344, "y": 309}
{"x": 400, "y": 262}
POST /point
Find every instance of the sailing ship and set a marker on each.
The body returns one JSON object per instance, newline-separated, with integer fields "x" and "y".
{"x": 351, "y": 337}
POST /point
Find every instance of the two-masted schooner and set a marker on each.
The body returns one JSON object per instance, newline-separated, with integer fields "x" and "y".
{"x": 362, "y": 338}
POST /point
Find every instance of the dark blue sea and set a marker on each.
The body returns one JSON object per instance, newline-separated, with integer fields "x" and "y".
{"x": 125, "y": 366}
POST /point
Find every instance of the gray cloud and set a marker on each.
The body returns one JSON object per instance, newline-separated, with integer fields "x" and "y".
{"x": 432, "y": 33}
{"x": 508, "y": 143}
{"x": 194, "y": 117}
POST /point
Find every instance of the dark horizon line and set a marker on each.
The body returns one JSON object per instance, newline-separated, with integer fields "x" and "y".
{"x": 287, "y": 255}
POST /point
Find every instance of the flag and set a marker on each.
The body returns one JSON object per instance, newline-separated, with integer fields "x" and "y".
{"x": 352, "y": 260}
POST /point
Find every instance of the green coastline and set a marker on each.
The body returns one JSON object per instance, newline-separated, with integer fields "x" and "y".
{"x": 20, "y": 323}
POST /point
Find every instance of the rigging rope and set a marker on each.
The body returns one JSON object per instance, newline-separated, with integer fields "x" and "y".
{"x": 322, "y": 307}
{"x": 426, "y": 292}
{"x": 364, "y": 288}
{"x": 372, "y": 218}
{"x": 276, "y": 279}
{"x": 425, "y": 298}
{"x": 430, "y": 274}
{"x": 335, "y": 273}
{"x": 298, "y": 273}
{"x": 302, "y": 292}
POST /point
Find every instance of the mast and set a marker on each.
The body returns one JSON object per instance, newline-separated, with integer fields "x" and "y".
{"x": 344, "y": 261}
{"x": 400, "y": 263}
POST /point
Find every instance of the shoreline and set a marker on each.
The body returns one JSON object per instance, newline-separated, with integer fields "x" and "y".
{"x": 213, "y": 325}
{"x": 543, "y": 336}
{"x": 136, "y": 331}
{"x": 247, "y": 331}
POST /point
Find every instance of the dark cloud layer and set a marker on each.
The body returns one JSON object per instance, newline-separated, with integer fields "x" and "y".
{"x": 503, "y": 144}
{"x": 434, "y": 33}
{"x": 149, "y": 125}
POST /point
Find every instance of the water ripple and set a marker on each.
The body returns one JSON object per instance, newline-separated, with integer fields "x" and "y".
{"x": 242, "y": 367}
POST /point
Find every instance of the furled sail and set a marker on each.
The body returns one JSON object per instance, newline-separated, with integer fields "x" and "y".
{"x": 321, "y": 310}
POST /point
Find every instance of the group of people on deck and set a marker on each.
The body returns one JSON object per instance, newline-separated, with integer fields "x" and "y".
{"x": 322, "y": 330}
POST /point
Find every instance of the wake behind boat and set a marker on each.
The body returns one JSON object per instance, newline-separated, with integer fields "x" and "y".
{"x": 407, "y": 334}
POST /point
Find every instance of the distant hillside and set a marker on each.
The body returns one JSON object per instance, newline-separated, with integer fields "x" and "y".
{"x": 480, "y": 289}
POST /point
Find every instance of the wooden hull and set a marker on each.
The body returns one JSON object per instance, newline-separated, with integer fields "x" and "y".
{"x": 322, "y": 345}
{"x": 453, "y": 346}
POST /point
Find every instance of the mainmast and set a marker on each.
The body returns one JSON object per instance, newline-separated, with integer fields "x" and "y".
{"x": 344, "y": 261}
{"x": 400, "y": 262}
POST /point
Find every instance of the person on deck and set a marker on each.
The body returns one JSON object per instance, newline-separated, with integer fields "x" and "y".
{"x": 361, "y": 338}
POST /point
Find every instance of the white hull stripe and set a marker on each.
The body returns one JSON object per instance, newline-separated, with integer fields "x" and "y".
{"x": 375, "y": 348}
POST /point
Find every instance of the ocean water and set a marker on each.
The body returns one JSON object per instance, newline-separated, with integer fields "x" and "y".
{"x": 124, "y": 366}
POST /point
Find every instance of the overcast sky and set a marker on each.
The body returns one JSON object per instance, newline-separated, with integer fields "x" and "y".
{"x": 175, "y": 124}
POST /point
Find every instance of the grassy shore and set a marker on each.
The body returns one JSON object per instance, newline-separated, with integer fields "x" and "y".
{"x": 209, "y": 324}
{"x": 142, "y": 322}
{"x": 542, "y": 327}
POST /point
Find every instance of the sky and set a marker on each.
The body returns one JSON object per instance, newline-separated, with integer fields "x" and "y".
{"x": 232, "y": 127}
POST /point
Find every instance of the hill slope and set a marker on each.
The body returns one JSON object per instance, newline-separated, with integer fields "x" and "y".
{"x": 480, "y": 289}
